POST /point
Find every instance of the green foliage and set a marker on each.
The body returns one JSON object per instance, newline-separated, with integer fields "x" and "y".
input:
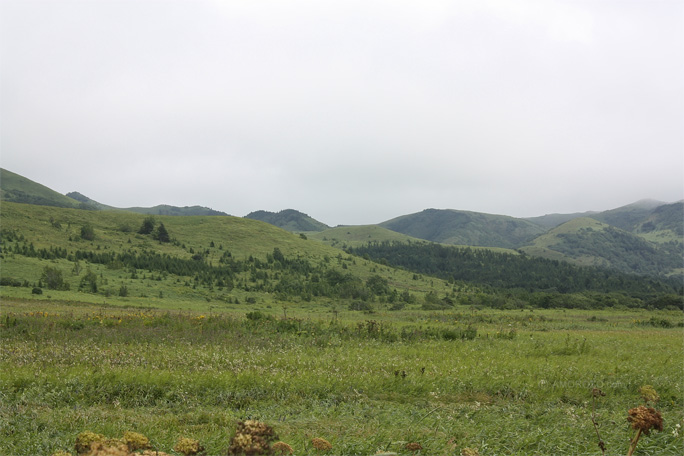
{"x": 88, "y": 232}
{"x": 147, "y": 226}
{"x": 363, "y": 384}
{"x": 161, "y": 234}
{"x": 89, "y": 282}
{"x": 510, "y": 271}
{"x": 18, "y": 189}
{"x": 289, "y": 219}
{"x": 53, "y": 279}
{"x": 465, "y": 228}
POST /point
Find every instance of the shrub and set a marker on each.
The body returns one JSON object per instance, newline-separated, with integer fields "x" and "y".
{"x": 361, "y": 306}
{"x": 251, "y": 438}
{"x": 321, "y": 444}
{"x": 85, "y": 439}
{"x": 88, "y": 232}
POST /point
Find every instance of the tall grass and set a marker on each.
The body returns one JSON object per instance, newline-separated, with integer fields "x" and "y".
{"x": 521, "y": 385}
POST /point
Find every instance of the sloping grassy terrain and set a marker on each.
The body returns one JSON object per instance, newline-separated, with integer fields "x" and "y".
{"x": 289, "y": 219}
{"x": 161, "y": 209}
{"x": 357, "y": 236}
{"x": 630, "y": 216}
{"x": 16, "y": 188}
{"x": 235, "y": 319}
{"x": 466, "y": 228}
{"x": 353, "y": 236}
{"x": 588, "y": 242}
{"x": 210, "y": 261}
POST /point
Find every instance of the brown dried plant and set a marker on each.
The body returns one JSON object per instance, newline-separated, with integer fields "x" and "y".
{"x": 321, "y": 444}
{"x": 644, "y": 419}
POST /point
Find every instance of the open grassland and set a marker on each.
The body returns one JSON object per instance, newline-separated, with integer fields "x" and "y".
{"x": 505, "y": 382}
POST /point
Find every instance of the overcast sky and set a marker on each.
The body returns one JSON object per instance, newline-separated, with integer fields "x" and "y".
{"x": 354, "y": 112}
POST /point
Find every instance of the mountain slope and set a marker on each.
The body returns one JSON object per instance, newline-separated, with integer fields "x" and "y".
{"x": 165, "y": 209}
{"x": 448, "y": 226}
{"x": 549, "y": 221}
{"x": 588, "y": 242}
{"x": 223, "y": 260}
{"x": 664, "y": 224}
{"x": 353, "y": 236}
{"x": 18, "y": 189}
{"x": 288, "y": 219}
{"x": 630, "y": 216}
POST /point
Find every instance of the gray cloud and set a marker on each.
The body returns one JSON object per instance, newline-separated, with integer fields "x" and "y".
{"x": 354, "y": 112}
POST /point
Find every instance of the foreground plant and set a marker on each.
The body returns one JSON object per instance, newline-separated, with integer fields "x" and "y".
{"x": 85, "y": 439}
{"x": 282, "y": 448}
{"x": 251, "y": 438}
{"x": 188, "y": 446}
{"x": 644, "y": 418}
{"x": 135, "y": 441}
{"x": 597, "y": 393}
{"x": 321, "y": 444}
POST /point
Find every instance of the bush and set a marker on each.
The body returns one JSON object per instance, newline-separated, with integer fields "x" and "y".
{"x": 88, "y": 232}
{"x": 361, "y": 306}
{"x": 52, "y": 278}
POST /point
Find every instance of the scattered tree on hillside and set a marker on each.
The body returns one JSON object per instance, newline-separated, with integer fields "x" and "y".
{"x": 52, "y": 278}
{"x": 88, "y": 232}
{"x": 161, "y": 234}
{"x": 147, "y": 226}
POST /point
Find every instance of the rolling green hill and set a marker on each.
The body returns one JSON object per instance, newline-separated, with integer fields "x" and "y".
{"x": 18, "y": 189}
{"x": 353, "y": 236}
{"x": 630, "y": 216}
{"x": 549, "y": 221}
{"x": 289, "y": 219}
{"x": 162, "y": 209}
{"x": 664, "y": 224}
{"x": 209, "y": 261}
{"x": 165, "y": 209}
{"x": 465, "y": 228}
{"x": 586, "y": 241}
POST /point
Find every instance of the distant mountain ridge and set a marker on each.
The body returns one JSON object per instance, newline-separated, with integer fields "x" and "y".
{"x": 643, "y": 237}
{"x": 288, "y": 219}
{"x": 19, "y": 189}
{"x": 449, "y": 226}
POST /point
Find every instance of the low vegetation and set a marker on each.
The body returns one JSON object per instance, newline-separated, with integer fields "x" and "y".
{"x": 518, "y": 382}
{"x": 225, "y": 335}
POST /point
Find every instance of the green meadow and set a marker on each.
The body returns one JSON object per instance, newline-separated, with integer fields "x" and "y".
{"x": 504, "y": 382}
{"x": 108, "y": 330}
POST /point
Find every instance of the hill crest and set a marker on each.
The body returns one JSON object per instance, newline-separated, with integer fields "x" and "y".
{"x": 289, "y": 219}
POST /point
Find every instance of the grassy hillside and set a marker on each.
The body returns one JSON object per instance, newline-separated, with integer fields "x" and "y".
{"x": 18, "y": 189}
{"x": 162, "y": 209}
{"x": 165, "y": 209}
{"x": 289, "y": 219}
{"x": 588, "y": 242}
{"x": 549, "y": 221}
{"x": 466, "y": 228}
{"x": 664, "y": 225}
{"x": 630, "y": 216}
{"x": 353, "y": 236}
{"x": 210, "y": 261}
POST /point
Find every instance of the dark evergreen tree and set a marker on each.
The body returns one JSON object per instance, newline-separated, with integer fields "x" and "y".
{"x": 147, "y": 226}
{"x": 87, "y": 232}
{"x": 161, "y": 234}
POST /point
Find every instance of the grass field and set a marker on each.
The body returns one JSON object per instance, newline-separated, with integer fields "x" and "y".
{"x": 504, "y": 382}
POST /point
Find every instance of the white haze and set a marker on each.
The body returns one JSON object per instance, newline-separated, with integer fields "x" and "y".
{"x": 351, "y": 111}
